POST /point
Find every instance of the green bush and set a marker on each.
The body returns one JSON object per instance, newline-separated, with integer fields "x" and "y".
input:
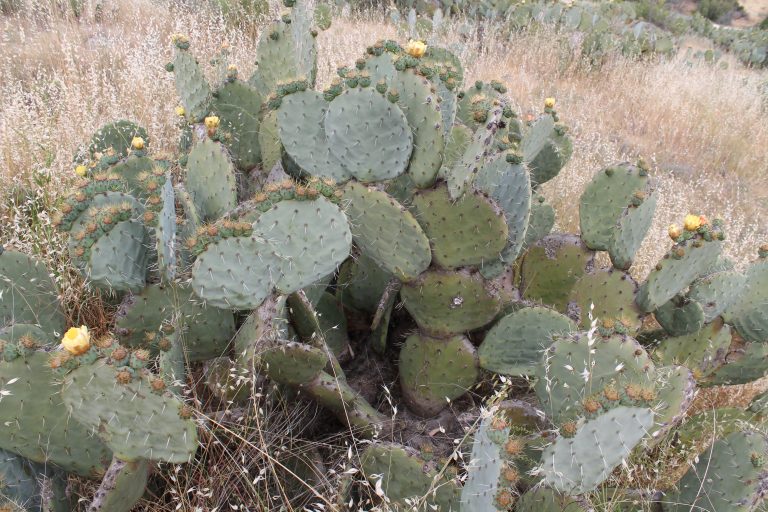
{"x": 719, "y": 11}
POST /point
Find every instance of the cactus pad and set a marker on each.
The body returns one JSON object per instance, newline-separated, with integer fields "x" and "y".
{"x": 369, "y": 135}
{"x": 750, "y": 313}
{"x": 463, "y": 172}
{"x": 613, "y": 294}
{"x": 29, "y": 295}
{"x": 717, "y": 292}
{"x": 135, "y": 422}
{"x": 435, "y": 371}
{"x": 701, "y": 351}
{"x": 469, "y": 231}
{"x": 680, "y": 316}
{"x": 386, "y": 232}
{"x": 210, "y": 180}
{"x": 515, "y": 344}
{"x": 444, "y": 303}
{"x": 238, "y": 107}
{"x": 191, "y": 85}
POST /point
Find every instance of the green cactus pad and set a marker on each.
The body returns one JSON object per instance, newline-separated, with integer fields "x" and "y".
{"x": 515, "y": 344}
{"x": 701, "y": 351}
{"x": 369, "y": 134}
{"x": 469, "y": 231}
{"x": 118, "y": 259}
{"x": 300, "y": 121}
{"x": 210, "y": 180}
{"x": 578, "y": 464}
{"x": 510, "y": 187}
{"x": 630, "y": 231}
{"x": 680, "y": 316}
{"x": 487, "y": 463}
{"x": 381, "y": 67}
{"x": 540, "y": 222}
{"x": 328, "y": 318}
{"x": 444, "y": 303}
{"x": 543, "y": 499}
{"x": 449, "y": 105}
{"x": 191, "y": 85}
{"x": 238, "y": 107}
{"x": 673, "y": 273}
{"x": 277, "y": 62}
{"x": 118, "y": 137}
{"x": 552, "y": 267}
{"x": 293, "y": 363}
{"x": 205, "y": 332}
{"x": 35, "y": 424}
{"x": 729, "y": 476}
{"x": 165, "y": 233}
{"x": 717, "y": 292}
{"x": 135, "y": 422}
{"x": 406, "y": 478}
{"x": 750, "y": 313}
{"x": 310, "y": 238}
{"x": 420, "y": 106}
{"x": 745, "y": 364}
{"x": 122, "y": 487}
{"x": 536, "y": 137}
{"x": 266, "y": 326}
{"x": 435, "y": 371}
{"x": 574, "y": 369}
{"x": 387, "y": 232}
{"x": 605, "y": 203}
{"x": 463, "y": 172}
{"x": 551, "y": 157}
{"x": 676, "y": 390}
{"x": 361, "y": 283}
{"x": 613, "y": 294}
{"x": 29, "y": 295}
{"x": 456, "y": 143}
{"x": 269, "y": 141}
{"x": 130, "y": 169}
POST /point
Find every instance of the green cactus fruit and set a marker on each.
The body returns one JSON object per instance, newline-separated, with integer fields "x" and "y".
{"x": 509, "y": 185}
{"x": 405, "y": 478}
{"x": 583, "y": 374}
{"x": 132, "y": 420}
{"x": 515, "y": 344}
{"x": 552, "y": 267}
{"x": 386, "y": 232}
{"x": 238, "y": 107}
{"x": 369, "y": 135}
{"x": 29, "y": 295}
{"x": 300, "y": 121}
{"x": 717, "y": 292}
{"x": 444, "y": 303}
{"x": 210, "y": 180}
{"x": 205, "y": 331}
{"x": 191, "y": 85}
{"x": 122, "y": 486}
{"x": 35, "y": 424}
{"x": 463, "y": 172}
{"x": 578, "y": 464}
{"x": 435, "y": 371}
{"x": 680, "y": 316}
{"x": 466, "y": 232}
{"x": 730, "y": 476}
{"x": 421, "y": 109}
{"x": 702, "y": 351}
{"x": 361, "y": 283}
{"x": 749, "y": 314}
{"x": 540, "y": 222}
{"x": 609, "y": 220}
{"x": 611, "y": 294}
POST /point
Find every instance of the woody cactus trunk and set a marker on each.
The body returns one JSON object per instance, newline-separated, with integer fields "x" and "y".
{"x": 402, "y": 199}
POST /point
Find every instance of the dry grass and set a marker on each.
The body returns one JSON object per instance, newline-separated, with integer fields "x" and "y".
{"x": 700, "y": 127}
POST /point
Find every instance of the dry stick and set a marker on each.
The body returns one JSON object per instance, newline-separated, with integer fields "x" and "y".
{"x": 393, "y": 286}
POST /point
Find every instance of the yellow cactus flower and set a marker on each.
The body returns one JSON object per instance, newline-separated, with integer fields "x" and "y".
{"x": 692, "y": 222}
{"x": 549, "y": 103}
{"x": 137, "y": 143}
{"x": 77, "y": 340}
{"x": 416, "y": 48}
{"x": 674, "y": 231}
{"x": 180, "y": 111}
{"x": 212, "y": 122}
{"x": 81, "y": 170}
